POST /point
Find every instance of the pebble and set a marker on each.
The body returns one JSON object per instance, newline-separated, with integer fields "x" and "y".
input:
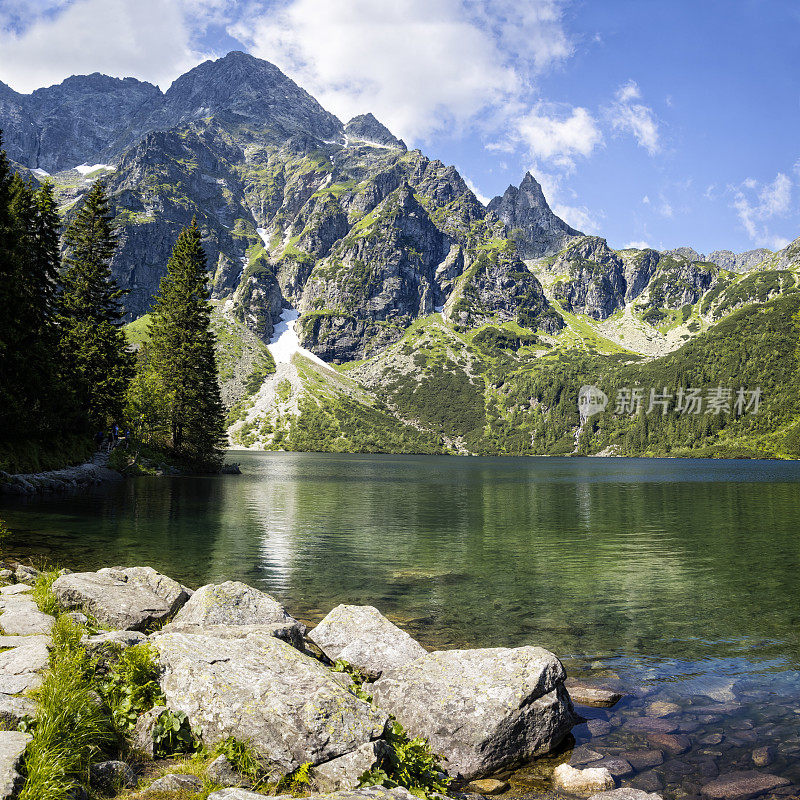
{"x": 618, "y": 767}
{"x": 651, "y": 725}
{"x": 643, "y": 759}
{"x": 712, "y": 739}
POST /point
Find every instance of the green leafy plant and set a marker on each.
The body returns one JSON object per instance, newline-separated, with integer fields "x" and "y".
{"x": 131, "y": 686}
{"x": 172, "y": 734}
{"x": 409, "y": 763}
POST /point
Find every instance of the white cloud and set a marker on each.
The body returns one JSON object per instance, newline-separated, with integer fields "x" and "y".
{"x": 579, "y": 217}
{"x": 666, "y": 209}
{"x": 756, "y": 204}
{"x": 636, "y": 246}
{"x": 116, "y": 37}
{"x": 557, "y": 138}
{"x": 628, "y": 116}
{"x": 646, "y": 200}
{"x": 420, "y": 66}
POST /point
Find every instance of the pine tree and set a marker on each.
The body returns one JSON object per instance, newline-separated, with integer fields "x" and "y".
{"x": 90, "y": 313}
{"x": 181, "y": 354}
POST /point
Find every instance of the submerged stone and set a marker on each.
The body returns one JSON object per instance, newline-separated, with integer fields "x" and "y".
{"x": 582, "y": 781}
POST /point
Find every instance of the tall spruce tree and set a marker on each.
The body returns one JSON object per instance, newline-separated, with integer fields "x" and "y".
{"x": 181, "y": 354}
{"x": 32, "y": 402}
{"x": 90, "y": 313}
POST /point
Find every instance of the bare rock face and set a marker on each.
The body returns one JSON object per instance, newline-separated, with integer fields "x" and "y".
{"x": 125, "y": 599}
{"x": 365, "y": 128}
{"x": 262, "y": 690}
{"x": 363, "y": 637}
{"x": 527, "y": 216}
{"x": 481, "y": 709}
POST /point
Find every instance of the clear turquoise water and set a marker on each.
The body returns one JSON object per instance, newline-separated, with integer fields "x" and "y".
{"x": 681, "y": 576}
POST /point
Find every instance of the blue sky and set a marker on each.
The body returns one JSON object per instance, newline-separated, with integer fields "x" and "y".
{"x": 665, "y": 123}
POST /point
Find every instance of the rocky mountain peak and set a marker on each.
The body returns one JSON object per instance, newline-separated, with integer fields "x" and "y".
{"x": 366, "y": 128}
{"x": 738, "y": 262}
{"x": 528, "y": 218}
{"x": 242, "y": 85}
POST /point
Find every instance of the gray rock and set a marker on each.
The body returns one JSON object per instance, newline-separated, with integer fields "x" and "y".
{"x": 652, "y": 725}
{"x": 175, "y": 782}
{"x": 738, "y": 262}
{"x": 262, "y": 690}
{"x": 289, "y": 632}
{"x": 582, "y": 781}
{"x": 585, "y": 694}
{"x": 222, "y": 772}
{"x": 142, "y": 736}
{"x": 27, "y": 658}
{"x": 5, "y": 574}
{"x": 742, "y": 785}
{"x": 14, "y": 709}
{"x": 344, "y": 772}
{"x": 26, "y": 574}
{"x": 643, "y": 759}
{"x": 366, "y": 128}
{"x": 599, "y": 727}
{"x": 363, "y": 637}
{"x": 25, "y": 620}
{"x": 12, "y": 746}
{"x": 231, "y": 603}
{"x": 113, "y": 639}
{"x": 112, "y": 776}
{"x": 673, "y": 743}
{"x": 481, "y": 709}
{"x": 124, "y": 598}
{"x": 625, "y": 793}
{"x": 16, "y": 588}
{"x": 24, "y": 641}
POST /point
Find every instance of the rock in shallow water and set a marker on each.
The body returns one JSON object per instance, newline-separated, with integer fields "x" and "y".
{"x": 261, "y": 689}
{"x": 126, "y": 599}
{"x": 742, "y": 785}
{"x": 582, "y": 781}
{"x": 584, "y": 694}
{"x": 625, "y": 793}
{"x": 362, "y": 636}
{"x": 481, "y": 709}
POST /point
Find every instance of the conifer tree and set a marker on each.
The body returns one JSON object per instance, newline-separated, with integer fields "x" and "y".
{"x": 181, "y": 354}
{"x": 90, "y": 313}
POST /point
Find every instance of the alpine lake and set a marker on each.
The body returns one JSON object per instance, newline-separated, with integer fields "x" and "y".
{"x": 677, "y": 581}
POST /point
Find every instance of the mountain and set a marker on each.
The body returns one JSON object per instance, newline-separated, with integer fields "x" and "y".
{"x": 536, "y": 230}
{"x": 436, "y": 308}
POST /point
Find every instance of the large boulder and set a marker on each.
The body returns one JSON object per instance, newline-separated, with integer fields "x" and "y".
{"x": 260, "y": 689}
{"x": 21, "y": 617}
{"x": 20, "y": 666}
{"x": 363, "y": 637}
{"x": 131, "y": 598}
{"x": 233, "y": 609}
{"x": 481, "y": 709}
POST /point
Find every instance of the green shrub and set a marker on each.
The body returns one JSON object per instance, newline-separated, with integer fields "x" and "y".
{"x": 298, "y": 781}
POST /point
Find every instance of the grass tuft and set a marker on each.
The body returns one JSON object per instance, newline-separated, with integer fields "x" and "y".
{"x": 70, "y": 729}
